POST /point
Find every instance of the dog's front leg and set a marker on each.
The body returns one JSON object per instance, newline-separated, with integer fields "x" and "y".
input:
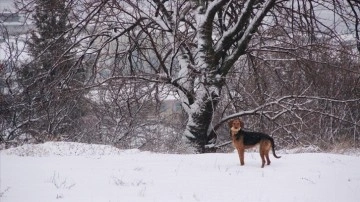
{"x": 241, "y": 156}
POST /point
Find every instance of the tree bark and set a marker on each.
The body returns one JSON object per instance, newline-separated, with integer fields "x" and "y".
{"x": 198, "y": 128}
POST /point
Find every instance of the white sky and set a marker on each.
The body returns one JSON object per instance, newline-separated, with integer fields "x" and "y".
{"x": 6, "y": 5}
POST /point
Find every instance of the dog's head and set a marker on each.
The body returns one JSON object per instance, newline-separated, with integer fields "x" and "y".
{"x": 236, "y": 124}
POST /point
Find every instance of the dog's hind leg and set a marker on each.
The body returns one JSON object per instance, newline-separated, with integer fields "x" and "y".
{"x": 267, "y": 157}
{"x": 267, "y": 148}
{"x": 262, "y": 155}
{"x": 262, "y": 151}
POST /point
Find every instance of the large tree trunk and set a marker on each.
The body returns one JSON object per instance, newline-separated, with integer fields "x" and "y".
{"x": 199, "y": 127}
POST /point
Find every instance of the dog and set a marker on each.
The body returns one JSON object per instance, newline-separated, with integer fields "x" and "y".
{"x": 242, "y": 140}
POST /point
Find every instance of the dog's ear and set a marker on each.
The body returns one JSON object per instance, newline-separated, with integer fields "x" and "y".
{"x": 230, "y": 123}
{"x": 241, "y": 123}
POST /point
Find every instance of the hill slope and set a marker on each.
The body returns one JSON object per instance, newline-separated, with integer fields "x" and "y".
{"x": 81, "y": 172}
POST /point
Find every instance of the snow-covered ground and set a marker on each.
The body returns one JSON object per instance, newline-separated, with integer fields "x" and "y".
{"x": 80, "y": 172}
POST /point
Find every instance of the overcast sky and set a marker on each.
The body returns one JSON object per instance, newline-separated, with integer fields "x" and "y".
{"x": 326, "y": 16}
{"x": 6, "y": 5}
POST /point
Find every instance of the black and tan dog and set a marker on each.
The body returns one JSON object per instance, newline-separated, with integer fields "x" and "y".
{"x": 244, "y": 140}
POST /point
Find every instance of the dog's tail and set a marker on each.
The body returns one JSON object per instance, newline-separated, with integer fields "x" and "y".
{"x": 273, "y": 148}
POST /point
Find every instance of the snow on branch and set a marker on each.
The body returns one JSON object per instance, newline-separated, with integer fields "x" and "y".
{"x": 246, "y": 36}
{"x": 223, "y": 43}
{"x": 285, "y": 108}
{"x": 211, "y": 10}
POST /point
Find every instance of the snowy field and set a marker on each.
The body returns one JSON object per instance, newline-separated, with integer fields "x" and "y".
{"x": 84, "y": 173}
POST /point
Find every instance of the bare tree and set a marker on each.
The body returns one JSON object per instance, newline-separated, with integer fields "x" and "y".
{"x": 195, "y": 47}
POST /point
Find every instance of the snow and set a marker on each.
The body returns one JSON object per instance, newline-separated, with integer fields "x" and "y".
{"x": 81, "y": 172}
